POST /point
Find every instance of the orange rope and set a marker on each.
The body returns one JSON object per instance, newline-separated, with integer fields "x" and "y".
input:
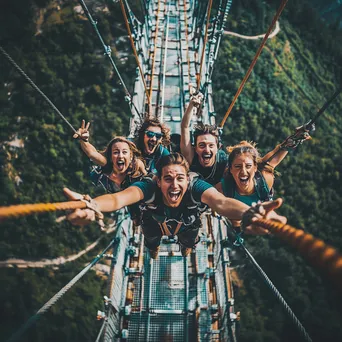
{"x": 154, "y": 56}
{"x": 186, "y": 38}
{"x": 28, "y": 209}
{"x": 134, "y": 50}
{"x": 204, "y": 44}
{"x": 276, "y": 17}
{"x": 312, "y": 249}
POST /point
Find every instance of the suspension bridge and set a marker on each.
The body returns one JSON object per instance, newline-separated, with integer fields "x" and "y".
{"x": 173, "y": 298}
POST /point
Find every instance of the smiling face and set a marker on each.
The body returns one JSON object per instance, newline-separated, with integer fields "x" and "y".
{"x": 206, "y": 148}
{"x": 173, "y": 184}
{"x": 151, "y": 143}
{"x": 121, "y": 157}
{"x": 243, "y": 170}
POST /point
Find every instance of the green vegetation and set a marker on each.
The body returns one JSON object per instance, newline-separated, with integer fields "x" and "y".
{"x": 295, "y": 74}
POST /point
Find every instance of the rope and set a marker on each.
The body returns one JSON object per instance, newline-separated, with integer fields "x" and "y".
{"x": 309, "y": 126}
{"x": 186, "y": 39}
{"x": 28, "y": 209}
{"x": 314, "y": 250}
{"x": 276, "y": 17}
{"x": 32, "y": 84}
{"x": 204, "y": 44}
{"x": 278, "y": 295}
{"x": 107, "y": 52}
{"x": 57, "y": 296}
{"x": 134, "y": 50}
{"x": 154, "y": 54}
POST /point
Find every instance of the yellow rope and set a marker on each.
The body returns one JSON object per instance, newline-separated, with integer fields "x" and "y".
{"x": 28, "y": 209}
{"x": 276, "y": 17}
{"x": 312, "y": 249}
{"x": 186, "y": 38}
{"x": 204, "y": 44}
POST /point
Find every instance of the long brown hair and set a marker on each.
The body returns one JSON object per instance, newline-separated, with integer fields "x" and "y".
{"x": 107, "y": 153}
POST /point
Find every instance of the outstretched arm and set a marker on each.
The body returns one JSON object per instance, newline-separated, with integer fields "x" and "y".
{"x": 105, "y": 203}
{"x": 185, "y": 143}
{"x": 87, "y": 147}
{"x": 225, "y": 206}
{"x": 236, "y": 210}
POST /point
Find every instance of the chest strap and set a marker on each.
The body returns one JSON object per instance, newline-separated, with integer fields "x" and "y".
{"x": 166, "y": 231}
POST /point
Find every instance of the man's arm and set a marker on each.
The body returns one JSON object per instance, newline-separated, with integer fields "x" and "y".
{"x": 185, "y": 143}
{"x": 225, "y": 206}
{"x": 105, "y": 203}
{"x": 236, "y": 210}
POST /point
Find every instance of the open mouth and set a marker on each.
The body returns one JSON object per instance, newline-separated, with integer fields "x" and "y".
{"x": 174, "y": 195}
{"x": 151, "y": 146}
{"x": 207, "y": 157}
{"x": 121, "y": 165}
{"x": 244, "y": 180}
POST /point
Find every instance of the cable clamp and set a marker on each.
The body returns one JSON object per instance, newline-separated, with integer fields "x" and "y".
{"x": 108, "y": 50}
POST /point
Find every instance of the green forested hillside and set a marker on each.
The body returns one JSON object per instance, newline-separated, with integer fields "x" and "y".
{"x": 297, "y": 71}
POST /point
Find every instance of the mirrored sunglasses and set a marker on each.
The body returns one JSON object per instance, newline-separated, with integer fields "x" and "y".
{"x": 154, "y": 134}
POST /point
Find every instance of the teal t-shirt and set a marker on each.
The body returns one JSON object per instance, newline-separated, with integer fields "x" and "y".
{"x": 249, "y": 199}
{"x": 187, "y": 212}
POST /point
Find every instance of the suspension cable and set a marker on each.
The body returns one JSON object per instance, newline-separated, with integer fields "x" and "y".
{"x": 239, "y": 243}
{"x": 134, "y": 49}
{"x": 276, "y": 17}
{"x": 325, "y": 106}
{"x": 16, "y": 336}
{"x": 298, "y": 135}
{"x": 108, "y": 53}
{"x": 204, "y": 44}
{"x": 33, "y": 85}
{"x": 280, "y": 298}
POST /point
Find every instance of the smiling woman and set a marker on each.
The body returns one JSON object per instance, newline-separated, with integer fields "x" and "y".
{"x": 247, "y": 178}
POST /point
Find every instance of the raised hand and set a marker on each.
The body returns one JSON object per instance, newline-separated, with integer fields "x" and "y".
{"x": 83, "y": 131}
{"x": 196, "y": 100}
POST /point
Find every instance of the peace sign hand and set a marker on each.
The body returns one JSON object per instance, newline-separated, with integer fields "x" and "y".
{"x": 83, "y": 132}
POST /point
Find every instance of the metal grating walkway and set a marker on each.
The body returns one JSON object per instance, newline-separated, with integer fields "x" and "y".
{"x": 171, "y": 298}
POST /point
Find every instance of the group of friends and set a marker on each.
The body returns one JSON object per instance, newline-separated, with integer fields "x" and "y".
{"x": 166, "y": 192}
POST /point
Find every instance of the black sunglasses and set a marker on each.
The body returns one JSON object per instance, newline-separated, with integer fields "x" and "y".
{"x": 154, "y": 134}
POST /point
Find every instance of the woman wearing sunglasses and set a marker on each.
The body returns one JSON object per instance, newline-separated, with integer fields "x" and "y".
{"x": 151, "y": 138}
